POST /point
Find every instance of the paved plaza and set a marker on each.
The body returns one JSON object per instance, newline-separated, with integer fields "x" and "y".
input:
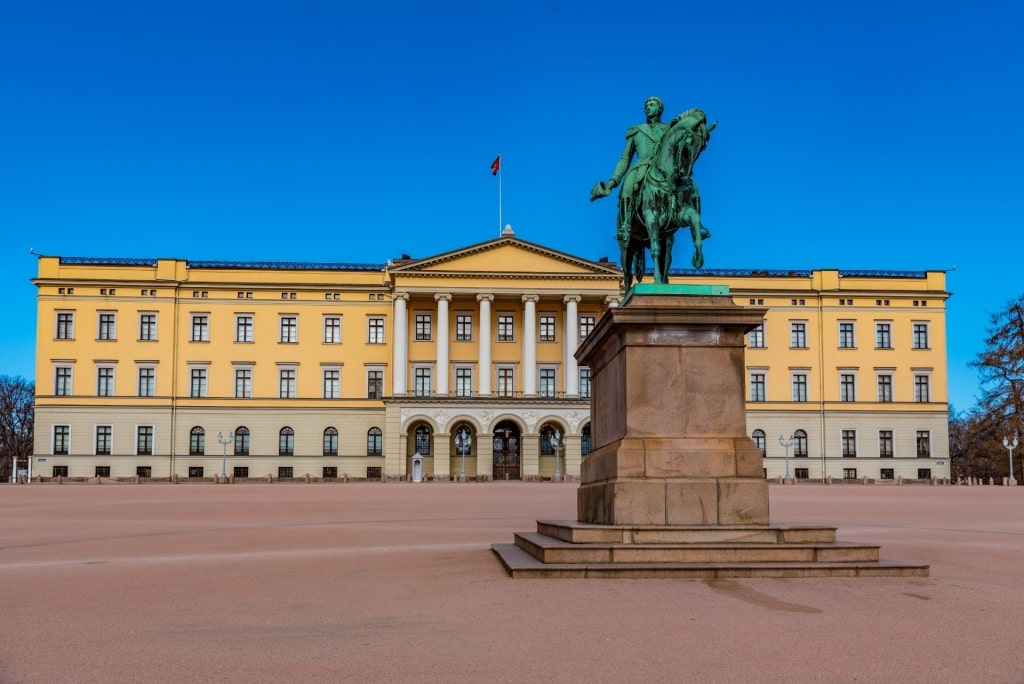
{"x": 369, "y": 582}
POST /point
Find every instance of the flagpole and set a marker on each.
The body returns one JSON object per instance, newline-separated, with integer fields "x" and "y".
{"x": 499, "y": 194}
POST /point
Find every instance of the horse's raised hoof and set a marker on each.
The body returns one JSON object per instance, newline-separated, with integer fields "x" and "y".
{"x": 698, "y": 259}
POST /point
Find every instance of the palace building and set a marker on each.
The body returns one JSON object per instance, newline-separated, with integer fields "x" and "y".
{"x": 456, "y": 363}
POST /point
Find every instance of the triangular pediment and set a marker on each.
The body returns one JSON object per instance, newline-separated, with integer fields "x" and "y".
{"x": 504, "y": 257}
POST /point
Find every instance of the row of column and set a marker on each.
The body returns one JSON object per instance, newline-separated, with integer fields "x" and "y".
{"x": 483, "y": 329}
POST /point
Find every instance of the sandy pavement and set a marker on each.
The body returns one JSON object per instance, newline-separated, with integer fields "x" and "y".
{"x": 396, "y": 583}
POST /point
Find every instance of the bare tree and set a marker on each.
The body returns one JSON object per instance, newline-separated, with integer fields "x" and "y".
{"x": 17, "y": 422}
{"x": 1001, "y": 367}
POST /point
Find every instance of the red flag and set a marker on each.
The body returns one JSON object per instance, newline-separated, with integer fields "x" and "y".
{"x": 496, "y": 166}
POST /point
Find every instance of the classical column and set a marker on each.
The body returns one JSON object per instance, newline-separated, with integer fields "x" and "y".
{"x": 484, "y": 381}
{"x": 442, "y": 342}
{"x": 530, "y": 345}
{"x": 572, "y": 329}
{"x": 400, "y": 373}
{"x": 611, "y": 301}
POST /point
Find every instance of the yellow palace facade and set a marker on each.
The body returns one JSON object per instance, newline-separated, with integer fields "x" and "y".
{"x": 455, "y": 364}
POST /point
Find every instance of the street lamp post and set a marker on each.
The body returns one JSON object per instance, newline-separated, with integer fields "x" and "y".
{"x": 558, "y": 462}
{"x": 463, "y": 441}
{"x": 1011, "y": 446}
{"x": 224, "y": 441}
{"x": 786, "y": 444}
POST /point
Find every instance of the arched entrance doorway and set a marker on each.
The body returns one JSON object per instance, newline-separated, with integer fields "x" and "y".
{"x": 506, "y": 451}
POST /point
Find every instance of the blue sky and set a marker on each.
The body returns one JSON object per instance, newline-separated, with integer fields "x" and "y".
{"x": 868, "y": 135}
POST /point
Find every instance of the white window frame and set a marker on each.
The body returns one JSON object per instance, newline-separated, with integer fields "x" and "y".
{"x": 139, "y": 367}
{"x": 332, "y": 326}
{"x": 250, "y": 328}
{"x": 336, "y": 389}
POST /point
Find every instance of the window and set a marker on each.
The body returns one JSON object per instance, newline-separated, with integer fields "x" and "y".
{"x": 240, "y": 472}
{"x": 587, "y": 324}
{"x": 104, "y": 439}
{"x": 421, "y": 382}
{"x": 849, "y": 473}
{"x": 147, "y": 327}
{"x": 755, "y": 339}
{"x": 374, "y": 384}
{"x": 285, "y": 472}
{"x": 885, "y": 387}
{"x": 547, "y": 440}
{"x": 924, "y": 444}
{"x": 847, "y": 387}
{"x": 463, "y": 382}
{"x": 924, "y": 473}
{"x": 197, "y": 441}
{"x": 144, "y": 440}
{"x": 799, "y": 386}
{"x": 920, "y": 336}
{"x": 883, "y": 335}
{"x": 422, "y": 437}
{"x": 144, "y": 471}
{"x": 800, "y": 444}
{"x": 848, "y": 439}
{"x": 200, "y": 328}
{"x": 286, "y": 442}
{"x": 506, "y": 326}
{"x": 801, "y": 473}
{"x": 60, "y": 471}
{"x": 846, "y": 340}
{"x": 107, "y": 327}
{"x": 286, "y": 384}
{"x": 798, "y": 335}
{"x": 885, "y": 444}
{"x": 374, "y": 439}
{"x": 375, "y": 330}
{"x": 105, "y": 381}
{"x": 241, "y": 441}
{"x": 62, "y": 381}
{"x": 463, "y": 327}
{"x": 887, "y": 474}
{"x": 757, "y": 382}
{"x": 547, "y": 328}
{"x": 65, "y": 325}
{"x": 332, "y": 383}
{"x": 102, "y": 471}
{"x": 61, "y": 439}
{"x": 243, "y": 383}
{"x": 289, "y": 330}
{"x": 197, "y": 388}
{"x": 244, "y": 328}
{"x": 586, "y": 443}
{"x": 506, "y": 382}
{"x": 332, "y": 329}
{"x": 921, "y": 393}
{"x": 584, "y": 383}
{"x": 760, "y": 441}
{"x": 331, "y": 442}
{"x": 330, "y": 472}
{"x": 424, "y": 323}
{"x": 147, "y": 381}
{"x": 547, "y": 382}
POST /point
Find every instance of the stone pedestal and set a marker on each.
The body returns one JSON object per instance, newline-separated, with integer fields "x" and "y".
{"x": 668, "y": 417}
{"x": 674, "y": 486}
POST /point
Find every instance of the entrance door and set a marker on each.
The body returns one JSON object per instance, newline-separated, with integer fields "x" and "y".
{"x": 506, "y": 451}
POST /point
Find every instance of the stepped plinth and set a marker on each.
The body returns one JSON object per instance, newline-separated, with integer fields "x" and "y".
{"x": 674, "y": 487}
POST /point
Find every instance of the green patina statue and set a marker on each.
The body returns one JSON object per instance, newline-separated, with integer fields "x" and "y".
{"x": 657, "y": 195}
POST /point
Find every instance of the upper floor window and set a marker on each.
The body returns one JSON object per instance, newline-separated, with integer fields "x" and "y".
{"x": 587, "y": 323}
{"x": 920, "y": 336}
{"x": 65, "y": 325}
{"x": 424, "y": 323}
{"x": 147, "y": 381}
{"x": 547, "y": 328}
{"x": 846, "y": 340}
{"x": 883, "y": 335}
{"x": 584, "y": 383}
{"x": 375, "y": 330}
{"x": 506, "y": 382}
{"x": 197, "y": 387}
{"x": 799, "y": 386}
{"x": 147, "y": 327}
{"x": 463, "y": 327}
{"x": 798, "y": 335}
{"x": 757, "y": 386}
{"x": 847, "y": 387}
{"x": 921, "y": 389}
{"x": 200, "y": 328}
{"x": 62, "y": 381}
{"x": 107, "y": 326}
{"x": 463, "y": 382}
{"x": 885, "y": 387}
{"x": 289, "y": 329}
{"x": 547, "y": 382}
{"x": 105, "y": 381}
{"x": 244, "y": 328}
{"x": 421, "y": 379}
{"x": 374, "y": 384}
{"x": 332, "y": 383}
{"x": 332, "y": 329}
{"x": 755, "y": 338}
{"x": 286, "y": 384}
{"x": 243, "y": 383}
{"x": 506, "y": 327}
